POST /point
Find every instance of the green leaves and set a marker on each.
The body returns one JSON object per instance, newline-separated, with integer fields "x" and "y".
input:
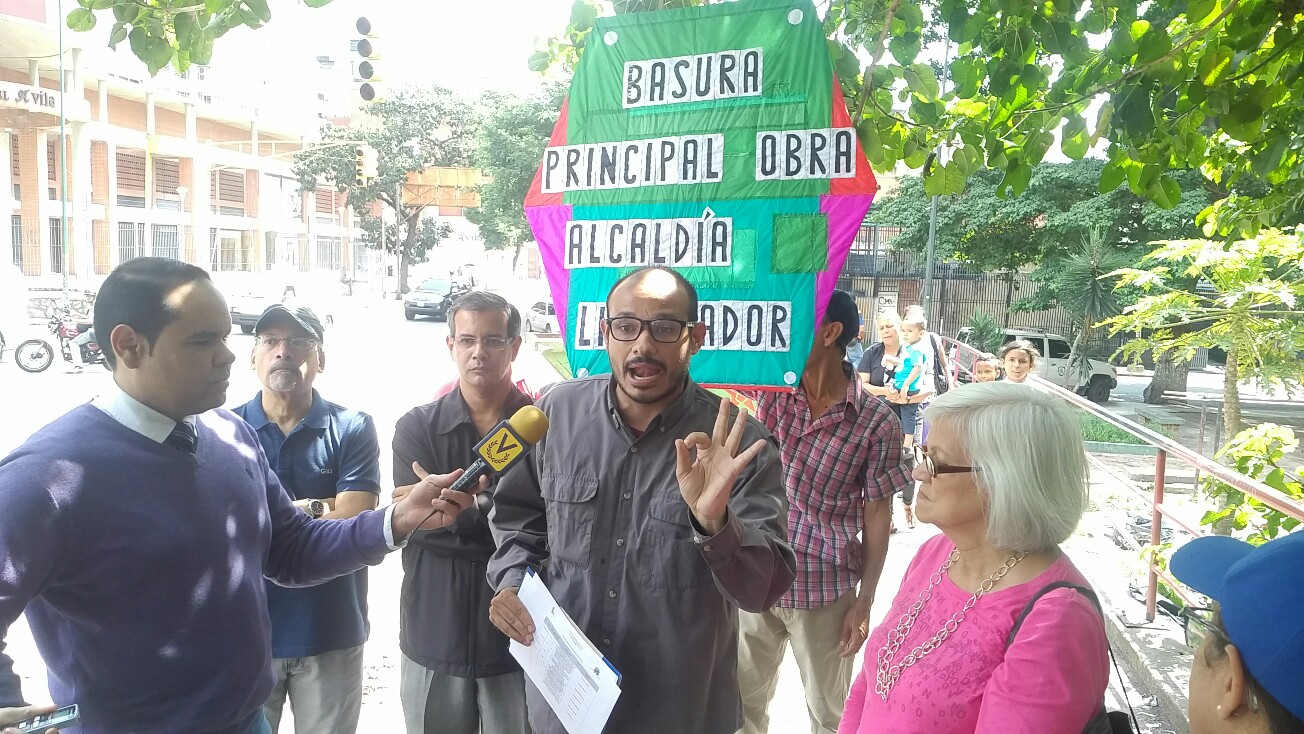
{"x": 1164, "y": 192}
{"x": 1073, "y": 138}
{"x": 81, "y": 19}
{"x": 921, "y": 82}
{"x": 154, "y": 51}
{"x": 539, "y": 61}
{"x": 945, "y": 180}
{"x": 1153, "y": 44}
{"x": 173, "y": 32}
{"x": 1214, "y": 64}
{"x": 1258, "y": 453}
{"x": 259, "y": 11}
{"x": 1113, "y": 176}
{"x": 1015, "y": 180}
{"x": 583, "y": 13}
{"x": 905, "y": 47}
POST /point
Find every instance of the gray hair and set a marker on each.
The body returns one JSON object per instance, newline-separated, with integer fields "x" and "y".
{"x": 1030, "y": 464}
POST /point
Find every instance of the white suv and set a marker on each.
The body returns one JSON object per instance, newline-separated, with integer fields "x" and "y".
{"x": 1053, "y": 365}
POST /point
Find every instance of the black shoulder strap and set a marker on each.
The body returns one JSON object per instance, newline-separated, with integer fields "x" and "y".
{"x": 940, "y": 350}
{"x": 1095, "y": 602}
{"x": 1027, "y": 608}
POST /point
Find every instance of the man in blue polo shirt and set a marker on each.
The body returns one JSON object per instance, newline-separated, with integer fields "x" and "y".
{"x": 328, "y": 459}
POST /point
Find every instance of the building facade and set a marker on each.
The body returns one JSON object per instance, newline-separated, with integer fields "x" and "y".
{"x": 195, "y": 167}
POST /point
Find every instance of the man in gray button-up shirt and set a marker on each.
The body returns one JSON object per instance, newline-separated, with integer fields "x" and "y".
{"x": 648, "y": 525}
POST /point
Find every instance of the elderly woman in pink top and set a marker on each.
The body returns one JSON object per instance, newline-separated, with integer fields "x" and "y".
{"x": 1004, "y": 477}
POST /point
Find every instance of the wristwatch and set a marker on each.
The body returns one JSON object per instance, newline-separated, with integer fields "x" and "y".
{"x": 316, "y": 508}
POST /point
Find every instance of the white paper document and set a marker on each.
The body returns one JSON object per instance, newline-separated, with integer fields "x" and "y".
{"x": 574, "y": 678}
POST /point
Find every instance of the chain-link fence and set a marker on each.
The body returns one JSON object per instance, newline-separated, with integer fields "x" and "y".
{"x": 882, "y": 278}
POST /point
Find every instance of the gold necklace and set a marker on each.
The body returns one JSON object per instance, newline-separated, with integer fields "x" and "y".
{"x": 888, "y": 672}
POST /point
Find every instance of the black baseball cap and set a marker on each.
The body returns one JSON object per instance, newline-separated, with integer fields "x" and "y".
{"x": 842, "y": 309}
{"x": 300, "y": 315}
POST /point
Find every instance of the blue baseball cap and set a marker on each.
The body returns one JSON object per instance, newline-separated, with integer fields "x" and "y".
{"x": 1260, "y": 594}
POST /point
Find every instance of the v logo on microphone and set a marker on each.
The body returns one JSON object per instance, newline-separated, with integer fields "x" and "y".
{"x": 501, "y": 448}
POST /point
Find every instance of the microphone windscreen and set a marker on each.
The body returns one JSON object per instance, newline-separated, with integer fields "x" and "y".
{"x": 530, "y": 424}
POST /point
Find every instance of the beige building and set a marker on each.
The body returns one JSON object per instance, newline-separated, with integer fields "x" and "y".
{"x": 194, "y": 167}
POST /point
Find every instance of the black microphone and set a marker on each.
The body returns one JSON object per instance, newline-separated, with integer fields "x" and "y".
{"x": 504, "y": 445}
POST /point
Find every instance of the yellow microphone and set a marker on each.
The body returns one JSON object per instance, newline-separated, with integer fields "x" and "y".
{"x": 504, "y": 445}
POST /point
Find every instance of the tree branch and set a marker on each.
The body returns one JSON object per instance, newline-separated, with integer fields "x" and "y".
{"x": 1275, "y": 53}
{"x": 873, "y": 62}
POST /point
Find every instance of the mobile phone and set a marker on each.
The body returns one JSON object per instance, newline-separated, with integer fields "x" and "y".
{"x": 65, "y": 716}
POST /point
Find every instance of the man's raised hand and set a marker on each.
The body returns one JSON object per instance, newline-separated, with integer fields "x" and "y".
{"x": 707, "y": 478}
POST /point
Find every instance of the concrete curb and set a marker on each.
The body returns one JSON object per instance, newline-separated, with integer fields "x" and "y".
{"x": 1154, "y": 654}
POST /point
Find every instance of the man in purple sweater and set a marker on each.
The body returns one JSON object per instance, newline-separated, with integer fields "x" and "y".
{"x": 137, "y": 529}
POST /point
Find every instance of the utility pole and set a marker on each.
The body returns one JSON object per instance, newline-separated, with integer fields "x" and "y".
{"x": 928, "y": 260}
{"x": 398, "y": 241}
{"x": 353, "y": 252}
{"x": 931, "y": 254}
{"x": 64, "y": 241}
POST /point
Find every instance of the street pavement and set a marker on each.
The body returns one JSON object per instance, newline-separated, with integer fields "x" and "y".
{"x": 380, "y": 363}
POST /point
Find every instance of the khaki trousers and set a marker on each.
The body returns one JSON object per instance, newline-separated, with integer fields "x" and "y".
{"x": 815, "y": 634}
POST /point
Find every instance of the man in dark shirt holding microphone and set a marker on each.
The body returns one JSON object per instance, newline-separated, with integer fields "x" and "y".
{"x": 457, "y": 674}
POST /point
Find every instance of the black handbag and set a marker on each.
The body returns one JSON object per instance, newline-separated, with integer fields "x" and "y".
{"x": 940, "y": 382}
{"x": 1105, "y": 721}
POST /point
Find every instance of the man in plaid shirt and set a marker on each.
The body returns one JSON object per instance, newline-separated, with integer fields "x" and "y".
{"x": 841, "y": 453}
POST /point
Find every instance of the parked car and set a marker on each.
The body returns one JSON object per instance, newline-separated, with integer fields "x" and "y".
{"x": 1053, "y": 366}
{"x": 248, "y": 307}
{"x": 542, "y": 317}
{"x": 432, "y": 298}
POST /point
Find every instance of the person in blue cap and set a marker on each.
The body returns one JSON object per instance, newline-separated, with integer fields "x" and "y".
{"x": 1247, "y": 674}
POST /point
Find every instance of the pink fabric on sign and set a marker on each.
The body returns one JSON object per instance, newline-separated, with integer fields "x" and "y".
{"x": 549, "y": 222}
{"x": 845, "y": 215}
{"x": 1050, "y": 681}
{"x": 521, "y": 384}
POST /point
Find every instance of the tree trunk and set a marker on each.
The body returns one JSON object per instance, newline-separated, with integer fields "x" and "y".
{"x": 1231, "y": 427}
{"x": 516, "y": 258}
{"x": 1009, "y": 296}
{"x": 409, "y": 240}
{"x": 1231, "y": 396}
{"x": 1170, "y": 376}
{"x": 1077, "y": 352}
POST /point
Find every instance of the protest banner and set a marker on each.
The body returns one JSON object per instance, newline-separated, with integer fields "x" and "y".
{"x": 713, "y": 140}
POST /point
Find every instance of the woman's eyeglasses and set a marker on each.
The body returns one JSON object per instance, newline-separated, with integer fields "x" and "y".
{"x": 923, "y": 459}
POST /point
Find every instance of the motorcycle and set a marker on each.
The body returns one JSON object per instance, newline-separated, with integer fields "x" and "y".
{"x": 36, "y": 355}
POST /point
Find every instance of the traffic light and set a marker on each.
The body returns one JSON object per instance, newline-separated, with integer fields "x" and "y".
{"x": 366, "y": 165}
{"x": 367, "y": 71}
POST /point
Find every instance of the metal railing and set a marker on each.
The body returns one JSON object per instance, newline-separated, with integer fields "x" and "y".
{"x": 960, "y": 353}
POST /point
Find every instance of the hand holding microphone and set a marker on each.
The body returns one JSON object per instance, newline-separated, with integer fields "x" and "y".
{"x": 437, "y": 499}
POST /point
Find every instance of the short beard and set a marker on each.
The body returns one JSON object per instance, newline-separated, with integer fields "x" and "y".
{"x": 283, "y": 380}
{"x": 676, "y": 385}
